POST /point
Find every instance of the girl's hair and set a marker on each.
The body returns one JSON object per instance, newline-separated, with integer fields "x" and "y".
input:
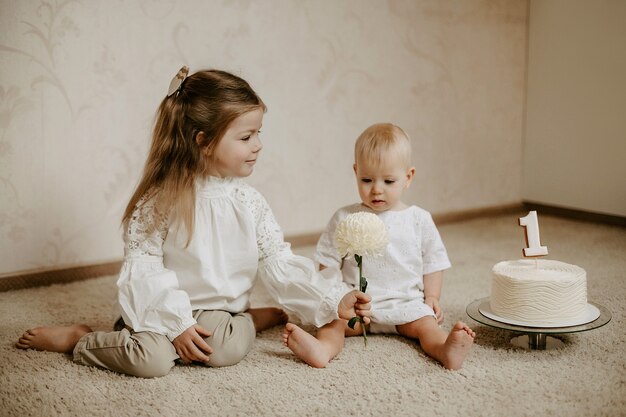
{"x": 207, "y": 101}
{"x": 381, "y": 141}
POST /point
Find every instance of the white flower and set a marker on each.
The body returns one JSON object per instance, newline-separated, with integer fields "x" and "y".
{"x": 361, "y": 233}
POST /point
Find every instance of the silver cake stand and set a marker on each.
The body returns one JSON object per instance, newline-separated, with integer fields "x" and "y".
{"x": 536, "y": 338}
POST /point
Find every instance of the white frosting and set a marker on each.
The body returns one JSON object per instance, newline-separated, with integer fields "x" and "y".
{"x": 541, "y": 290}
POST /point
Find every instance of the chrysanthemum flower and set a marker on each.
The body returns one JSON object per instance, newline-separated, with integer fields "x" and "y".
{"x": 361, "y": 234}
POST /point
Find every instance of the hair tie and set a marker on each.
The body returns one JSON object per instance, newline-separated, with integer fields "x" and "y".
{"x": 177, "y": 81}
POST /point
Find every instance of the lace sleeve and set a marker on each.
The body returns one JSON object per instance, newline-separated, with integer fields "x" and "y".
{"x": 270, "y": 239}
{"x": 146, "y": 229}
{"x": 290, "y": 279}
{"x": 148, "y": 294}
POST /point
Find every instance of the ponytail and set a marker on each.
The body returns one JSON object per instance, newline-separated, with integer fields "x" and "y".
{"x": 207, "y": 101}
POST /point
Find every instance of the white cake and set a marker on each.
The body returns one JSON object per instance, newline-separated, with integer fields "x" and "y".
{"x": 538, "y": 291}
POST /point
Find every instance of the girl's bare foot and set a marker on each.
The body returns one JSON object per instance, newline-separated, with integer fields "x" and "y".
{"x": 305, "y": 346}
{"x": 457, "y": 346}
{"x": 53, "y": 338}
{"x": 267, "y": 317}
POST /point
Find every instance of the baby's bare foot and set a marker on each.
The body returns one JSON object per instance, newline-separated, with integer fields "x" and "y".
{"x": 457, "y": 346}
{"x": 53, "y": 338}
{"x": 305, "y": 346}
{"x": 267, "y": 317}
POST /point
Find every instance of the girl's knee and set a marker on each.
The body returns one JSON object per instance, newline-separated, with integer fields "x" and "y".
{"x": 229, "y": 354}
{"x": 152, "y": 370}
{"x": 149, "y": 356}
{"x": 152, "y": 365}
{"x": 231, "y": 340}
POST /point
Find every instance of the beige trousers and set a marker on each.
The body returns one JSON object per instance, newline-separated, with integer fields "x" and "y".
{"x": 149, "y": 355}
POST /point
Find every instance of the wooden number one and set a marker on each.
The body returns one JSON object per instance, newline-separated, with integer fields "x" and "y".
{"x": 531, "y": 230}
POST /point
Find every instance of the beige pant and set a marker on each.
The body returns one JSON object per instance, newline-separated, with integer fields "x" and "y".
{"x": 149, "y": 355}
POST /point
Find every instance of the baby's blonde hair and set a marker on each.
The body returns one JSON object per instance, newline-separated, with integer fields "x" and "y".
{"x": 381, "y": 141}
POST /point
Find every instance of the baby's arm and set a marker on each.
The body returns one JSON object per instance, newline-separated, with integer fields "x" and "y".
{"x": 432, "y": 292}
{"x": 435, "y": 260}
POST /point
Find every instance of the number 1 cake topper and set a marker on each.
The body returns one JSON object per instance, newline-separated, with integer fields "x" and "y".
{"x": 531, "y": 231}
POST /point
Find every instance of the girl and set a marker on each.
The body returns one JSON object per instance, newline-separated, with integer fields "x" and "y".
{"x": 196, "y": 237}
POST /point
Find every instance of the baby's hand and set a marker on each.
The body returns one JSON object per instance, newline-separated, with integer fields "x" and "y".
{"x": 434, "y": 304}
{"x": 355, "y": 303}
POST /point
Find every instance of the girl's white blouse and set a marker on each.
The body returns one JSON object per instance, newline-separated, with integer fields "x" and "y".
{"x": 395, "y": 280}
{"x": 235, "y": 240}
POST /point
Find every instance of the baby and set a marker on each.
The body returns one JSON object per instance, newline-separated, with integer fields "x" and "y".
{"x": 405, "y": 283}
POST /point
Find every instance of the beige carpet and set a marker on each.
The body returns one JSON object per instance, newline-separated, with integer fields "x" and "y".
{"x": 586, "y": 377}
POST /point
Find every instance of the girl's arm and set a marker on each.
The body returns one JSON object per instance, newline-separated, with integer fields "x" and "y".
{"x": 148, "y": 293}
{"x": 314, "y": 297}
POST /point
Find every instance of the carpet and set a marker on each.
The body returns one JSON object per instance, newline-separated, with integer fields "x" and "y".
{"x": 392, "y": 376}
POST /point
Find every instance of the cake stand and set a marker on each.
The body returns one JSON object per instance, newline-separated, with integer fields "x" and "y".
{"x": 535, "y": 338}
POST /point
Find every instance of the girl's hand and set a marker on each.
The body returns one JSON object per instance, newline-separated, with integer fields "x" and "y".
{"x": 434, "y": 304}
{"x": 355, "y": 303}
{"x": 191, "y": 346}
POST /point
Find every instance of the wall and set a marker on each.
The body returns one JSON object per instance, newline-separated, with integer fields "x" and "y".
{"x": 575, "y": 144}
{"x": 79, "y": 83}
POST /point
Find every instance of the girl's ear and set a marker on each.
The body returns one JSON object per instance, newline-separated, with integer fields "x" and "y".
{"x": 200, "y": 138}
{"x": 354, "y": 168}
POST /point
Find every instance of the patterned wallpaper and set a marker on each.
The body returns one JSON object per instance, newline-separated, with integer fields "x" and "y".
{"x": 80, "y": 81}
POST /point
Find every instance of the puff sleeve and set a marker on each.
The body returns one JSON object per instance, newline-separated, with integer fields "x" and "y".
{"x": 434, "y": 254}
{"x": 291, "y": 279}
{"x": 148, "y": 294}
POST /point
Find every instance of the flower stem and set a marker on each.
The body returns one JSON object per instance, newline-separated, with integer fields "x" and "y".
{"x": 362, "y": 288}
{"x": 364, "y": 333}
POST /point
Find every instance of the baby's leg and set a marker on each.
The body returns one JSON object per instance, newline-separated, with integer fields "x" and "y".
{"x": 61, "y": 339}
{"x": 449, "y": 349}
{"x": 316, "y": 351}
{"x": 267, "y": 317}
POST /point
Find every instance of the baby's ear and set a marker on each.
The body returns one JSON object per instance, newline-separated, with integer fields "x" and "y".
{"x": 354, "y": 167}
{"x": 410, "y": 174}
